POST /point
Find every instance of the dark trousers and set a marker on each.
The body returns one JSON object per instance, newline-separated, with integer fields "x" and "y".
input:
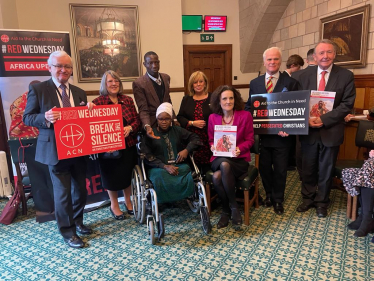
{"x": 367, "y": 201}
{"x": 273, "y": 171}
{"x": 70, "y": 193}
{"x": 299, "y": 159}
{"x": 318, "y": 163}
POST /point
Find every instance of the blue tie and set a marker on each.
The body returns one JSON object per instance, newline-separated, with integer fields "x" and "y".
{"x": 65, "y": 97}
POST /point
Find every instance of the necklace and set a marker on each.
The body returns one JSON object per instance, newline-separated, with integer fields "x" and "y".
{"x": 227, "y": 123}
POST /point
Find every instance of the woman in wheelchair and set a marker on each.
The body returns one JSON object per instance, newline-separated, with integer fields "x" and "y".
{"x": 166, "y": 155}
{"x": 227, "y": 106}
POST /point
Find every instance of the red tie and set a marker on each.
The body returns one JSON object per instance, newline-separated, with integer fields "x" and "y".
{"x": 269, "y": 85}
{"x": 322, "y": 82}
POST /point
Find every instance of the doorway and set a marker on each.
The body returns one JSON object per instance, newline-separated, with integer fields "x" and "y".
{"x": 214, "y": 60}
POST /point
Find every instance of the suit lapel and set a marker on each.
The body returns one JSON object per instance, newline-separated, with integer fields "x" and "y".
{"x": 76, "y": 98}
{"x": 279, "y": 86}
{"x": 166, "y": 88}
{"x": 150, "y": 88}
{"x": 332, "y": 79}
{"x": 313, "y": 79}
{"x": 262, "y": 85}
{"x": 52, "y": 93}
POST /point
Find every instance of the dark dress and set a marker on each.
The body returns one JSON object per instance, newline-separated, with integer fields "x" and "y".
{"x": 170, "y": 188}
{"x": 191, "y": 110}
{"x": 116, "y": 173}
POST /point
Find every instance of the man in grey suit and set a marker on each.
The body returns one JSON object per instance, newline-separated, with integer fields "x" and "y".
{"x": 69, "y": 175}
{"x": 151, "y": 90}
{"x": 326, "y": 133}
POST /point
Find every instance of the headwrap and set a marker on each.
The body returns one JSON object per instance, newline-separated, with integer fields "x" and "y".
{"x": 165, "y": 107}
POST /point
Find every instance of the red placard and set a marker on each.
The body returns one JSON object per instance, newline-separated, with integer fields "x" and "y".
{"x": 82, "y": 132}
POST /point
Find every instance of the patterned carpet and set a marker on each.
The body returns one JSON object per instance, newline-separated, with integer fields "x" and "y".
{"x": 295, "y": 246}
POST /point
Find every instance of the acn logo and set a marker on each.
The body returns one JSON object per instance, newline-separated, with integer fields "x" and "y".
{"x": 4, "y": 38}
{"x": 256, "y": 104}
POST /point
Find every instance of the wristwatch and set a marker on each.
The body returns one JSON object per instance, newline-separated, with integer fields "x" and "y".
{"x": 191, "y": 123}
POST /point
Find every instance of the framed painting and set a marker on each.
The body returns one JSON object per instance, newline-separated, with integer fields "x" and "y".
{"x": 349, "y": 31}
{"x": 106, "y": 37}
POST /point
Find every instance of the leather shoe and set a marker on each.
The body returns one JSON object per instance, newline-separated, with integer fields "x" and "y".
{"x": 82, "y": 229}
{"x": 236, "y": 217}
{"x": 223, "y": 220}
{"x": 130, "y": 212}
{"x": 268, "y": 203}
{"x": 321, "y": 212}
{"x": 120, "y": 217}
{"x": 303, "y": 207}
{"x": 75, "y": 242}
{"x": 278, "y": 208}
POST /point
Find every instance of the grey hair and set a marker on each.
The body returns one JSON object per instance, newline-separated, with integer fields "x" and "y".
{"x": 272, "y": 49}
{"x": 325, "y": 41}
{"x": 103, "y": 90}
{"x": 57, "y": 54}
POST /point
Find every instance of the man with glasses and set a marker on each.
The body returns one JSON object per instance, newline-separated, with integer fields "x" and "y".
{"x": 151, "y": 90}
{"x": 69, "y": 175}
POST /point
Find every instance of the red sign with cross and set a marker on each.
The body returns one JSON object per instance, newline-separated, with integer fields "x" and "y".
{"x": 82, "y": 132}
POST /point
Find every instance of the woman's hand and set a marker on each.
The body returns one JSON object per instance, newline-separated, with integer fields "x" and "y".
{"x": 348, "y": 117}
{"x": 182, "y": 155}
{"x": 90, "y": 106}
{"x": 283, "y": 134}
{"x": 371, "y": 153}
{"x": 212, "y": 148}
{"x": 172, "y": 170}
{"x": 199, "y": 124}
{"x": 236, "y": 153}
{"x": 127, "y": 131}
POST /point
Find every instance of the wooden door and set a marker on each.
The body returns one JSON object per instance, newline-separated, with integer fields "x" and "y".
{"x": 214, "y": 60}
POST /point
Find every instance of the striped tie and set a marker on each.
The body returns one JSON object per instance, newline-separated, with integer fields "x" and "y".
{"x": 269, "y": 85}
{"x": 65, "y": 97}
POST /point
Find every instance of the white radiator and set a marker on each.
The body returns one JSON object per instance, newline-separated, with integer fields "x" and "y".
{"x": 5, "y": 185}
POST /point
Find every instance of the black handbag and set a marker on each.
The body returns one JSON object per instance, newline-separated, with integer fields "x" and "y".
{"x": 111, "y": 155}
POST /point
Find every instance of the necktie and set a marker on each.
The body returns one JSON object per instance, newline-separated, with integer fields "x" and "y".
{"x": 322, "y": 82}
{"x": 269, "y": 85}
{"x": 65, "y": 97}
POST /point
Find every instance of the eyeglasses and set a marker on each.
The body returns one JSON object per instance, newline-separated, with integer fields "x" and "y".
{"x": 112, "y": 81}
{"x": 59, "y": 66}
{"x": 164, "y": 119}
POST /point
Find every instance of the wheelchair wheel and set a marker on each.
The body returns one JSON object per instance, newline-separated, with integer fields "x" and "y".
{"x": 205, "y": 220}
{"x": 152, "y": 238}
{"x": 194, "y": 204}
{"x": 137, "y": 194}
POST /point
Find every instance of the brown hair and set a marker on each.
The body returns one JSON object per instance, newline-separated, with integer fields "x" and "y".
{"x": 215, "y": 100}
{"x": 294, "y": 60}
{"x": 193, "y": 78}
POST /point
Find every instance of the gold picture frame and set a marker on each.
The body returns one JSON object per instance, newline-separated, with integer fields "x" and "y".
{"x": 106, "y": 37}
{"x": 349, "y": 31}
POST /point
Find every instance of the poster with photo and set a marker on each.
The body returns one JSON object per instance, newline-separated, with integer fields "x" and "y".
{"x": 224, "y": 140}
{"x": 320, "y": 103}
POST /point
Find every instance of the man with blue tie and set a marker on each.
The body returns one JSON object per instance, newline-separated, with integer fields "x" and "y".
{"x": 69, "y": 175}
{"x": 274, "y": 149}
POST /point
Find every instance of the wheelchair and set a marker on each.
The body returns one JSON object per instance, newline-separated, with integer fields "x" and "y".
{"x": 144, "y": 200}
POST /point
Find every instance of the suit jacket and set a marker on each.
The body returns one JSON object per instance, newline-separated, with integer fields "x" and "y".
{"x": 41, "y": 98}
{"x": 146, "y": 97}
{"x": 187, "y": 110}
{"x": 244, "y": 135}
{"x": 257, "y": 86}
{"x": 340, "y": 81}
{"x": 296, "y": 74}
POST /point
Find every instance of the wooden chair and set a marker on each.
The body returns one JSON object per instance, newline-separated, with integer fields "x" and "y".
{"x": 364, "y": 139}
{"x": 250, "y": 181}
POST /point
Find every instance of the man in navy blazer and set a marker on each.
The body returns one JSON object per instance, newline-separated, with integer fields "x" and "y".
{"x": 275, "y": 149}
{"x": 69, "y": 175}
{"x": 326, "y": 133}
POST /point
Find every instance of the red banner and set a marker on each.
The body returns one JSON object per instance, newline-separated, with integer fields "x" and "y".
{"x": 81, "y": 132}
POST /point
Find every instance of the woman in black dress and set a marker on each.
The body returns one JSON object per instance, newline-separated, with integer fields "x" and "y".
{"x": 194, "y": 114}
{"x": 116, "y": 172}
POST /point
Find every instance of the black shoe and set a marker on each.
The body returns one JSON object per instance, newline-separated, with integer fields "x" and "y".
{"x": 268, "y": 203}
{"x": 355, "y": 224}
{"x": 367, "y": 225}
{"x": 130, "y": 212}
{"x": 236, "y": 216}
{"x": 82, "y": 229}
{"x": 260, "y": 200}
{"x": 120, "y": 217}
{"x": 303, "y": 207}
{"x": 223, "y": 220}
{"x": 321, "y": 212}
{"x": 75, "y": 242}
{"x": 278, "y": 208}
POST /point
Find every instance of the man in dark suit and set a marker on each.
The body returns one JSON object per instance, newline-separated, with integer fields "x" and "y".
{"x": 69, "y": 175}
{"x": 274, "y": 148}
{"x": 151, "y": 90}
{"x": 326, "y": 133}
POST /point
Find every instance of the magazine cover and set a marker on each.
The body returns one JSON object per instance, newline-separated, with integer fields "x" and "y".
{"x": 224, "y": 140}
{"x": 320, "y": 103}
